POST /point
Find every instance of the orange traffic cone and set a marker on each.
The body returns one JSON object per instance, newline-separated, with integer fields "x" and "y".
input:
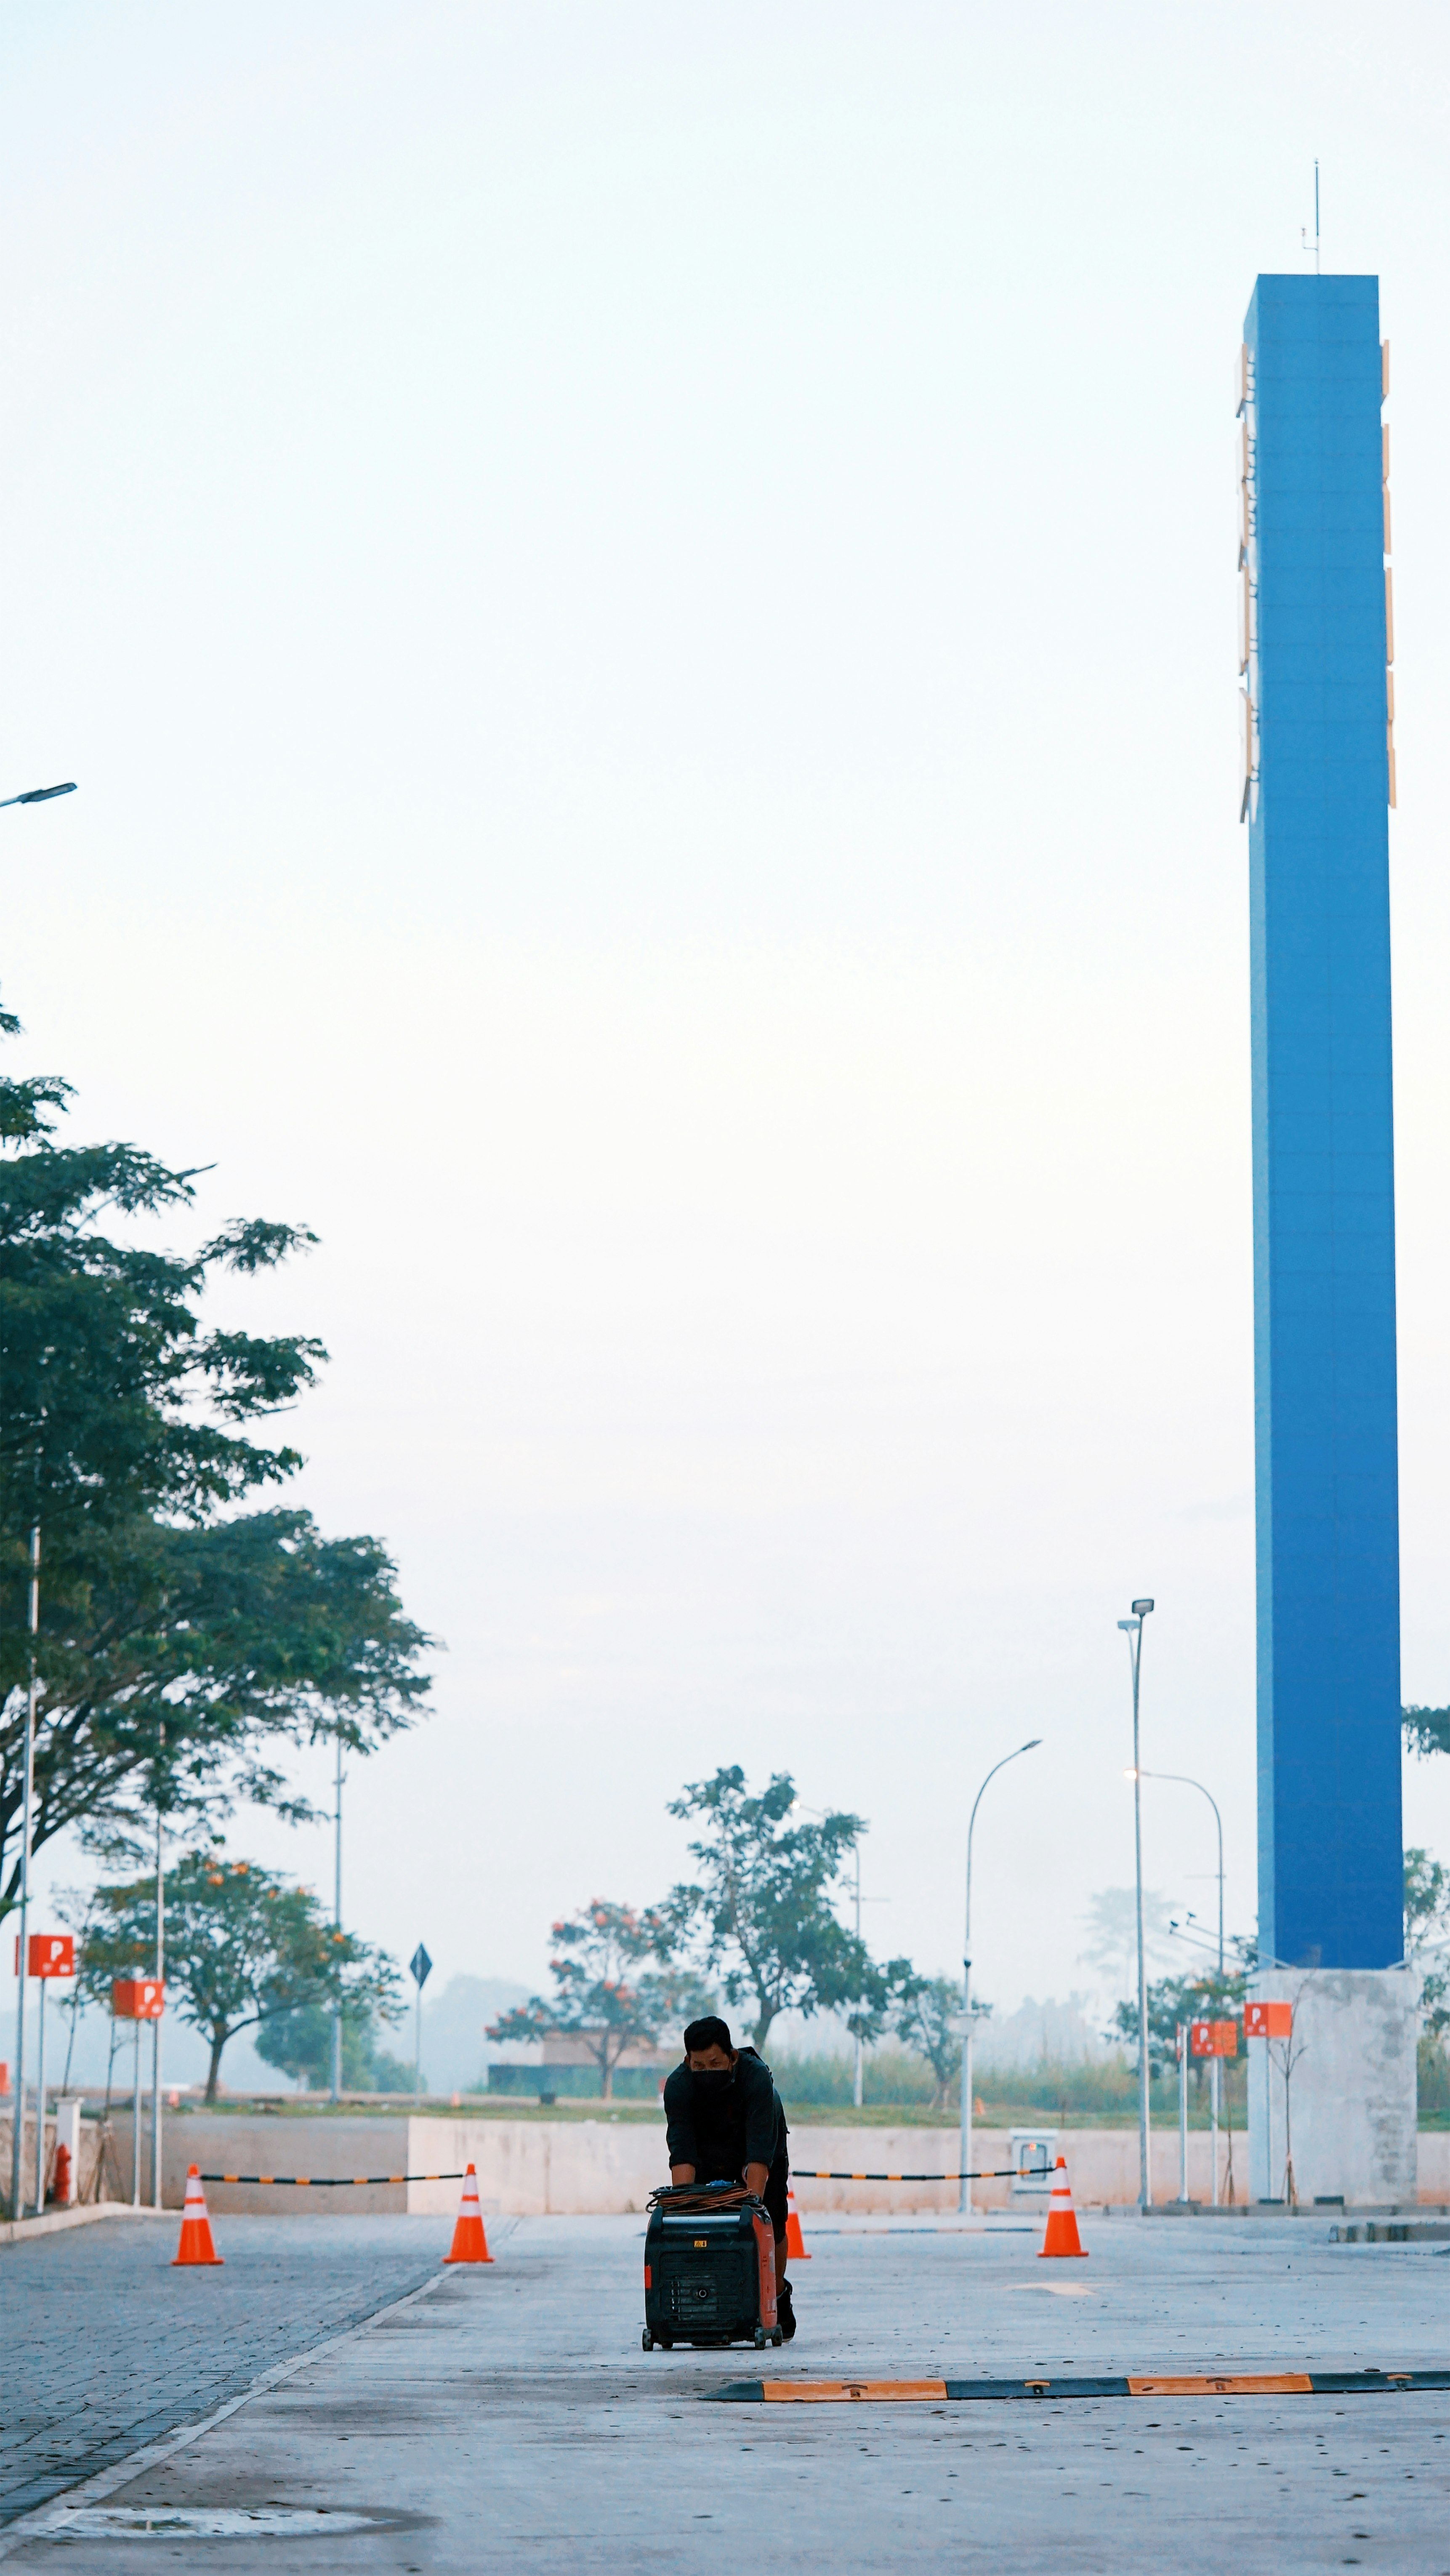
{"x": 470, "y": 2245}
{"x": 196, "y": 2245}
{"x": 1062, "y": 2236}
{"x": 795, "y": 2243}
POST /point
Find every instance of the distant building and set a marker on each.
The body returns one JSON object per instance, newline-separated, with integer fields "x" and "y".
{"x": 573, "y": 2049}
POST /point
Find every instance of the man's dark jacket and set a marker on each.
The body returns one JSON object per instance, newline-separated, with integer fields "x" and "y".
{"x": 722, "y": 2128}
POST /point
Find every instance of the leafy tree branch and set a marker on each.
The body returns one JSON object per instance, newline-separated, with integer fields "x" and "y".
{"x": 242, "y": 1944}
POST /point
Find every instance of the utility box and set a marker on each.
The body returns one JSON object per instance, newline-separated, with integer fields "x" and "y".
{"x": 1033, "y": 2159}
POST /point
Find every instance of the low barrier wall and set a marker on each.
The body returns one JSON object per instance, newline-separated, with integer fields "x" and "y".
{"x": 562, "y": 2168}
{"x": 221, "y": 2143}
{"x": 538, "y": 2168}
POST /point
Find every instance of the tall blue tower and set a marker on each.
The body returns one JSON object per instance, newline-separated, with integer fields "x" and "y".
{"x": 1316, "y": 648}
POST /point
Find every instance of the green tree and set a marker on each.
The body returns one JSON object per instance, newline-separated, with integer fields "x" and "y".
{"x": 762, "y": 1916}
{"x": 1202, "y": 1995}
{"x": 924, "y": 2016}
{"x": 299, "y": 2043}
{"x": 184, "y": 1640}
{"x": 1427, "y": 1936}
{"x": 242, "y": 1944}
{"x": 1427, "y": 1730}
{"x": 616, "y": 1985}
{"x": 1111, "y": 1925}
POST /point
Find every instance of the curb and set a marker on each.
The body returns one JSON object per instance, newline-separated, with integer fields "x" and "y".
{"x": 19, "y": 2231}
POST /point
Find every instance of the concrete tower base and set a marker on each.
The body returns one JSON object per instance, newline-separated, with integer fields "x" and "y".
{"x": 1350, "y": 2117}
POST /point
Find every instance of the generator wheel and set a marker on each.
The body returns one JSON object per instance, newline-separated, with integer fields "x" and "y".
{"x": 778, "y": 2336}
{"x": 761, "y": 2338}
{"x": 665, "y": 2342}
{"x": 647, "y": 2340}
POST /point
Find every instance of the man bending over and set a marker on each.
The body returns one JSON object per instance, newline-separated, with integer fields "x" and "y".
{"x": 725, "y": 2122}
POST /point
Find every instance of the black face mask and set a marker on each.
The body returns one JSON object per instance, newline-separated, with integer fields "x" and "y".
{"x": 714, "y": 2078}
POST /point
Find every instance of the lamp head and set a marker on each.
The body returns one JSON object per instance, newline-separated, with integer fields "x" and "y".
{"x": 1140, "y": 1608}
{"x": 1130, "y": 1627}
{"x": 1031, "y": 1744}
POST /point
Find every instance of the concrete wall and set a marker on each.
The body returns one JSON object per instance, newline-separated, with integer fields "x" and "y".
{"x": 1434, "y": 2167}
{"x": 1351, "y": 2094}
{"x": 82, "y": 2184}
{"x": 538, "y": 2168}
{"x": 262, "y": 2145}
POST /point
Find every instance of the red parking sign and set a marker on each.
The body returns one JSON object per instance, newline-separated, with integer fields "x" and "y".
{"x": 47, "y": 1954}
{"x": 138, "y": 1998}
{"x": 1213, "y": 2038}
{"x": 1268, "y": 2021}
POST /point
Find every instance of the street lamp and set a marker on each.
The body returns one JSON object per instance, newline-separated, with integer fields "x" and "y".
{"x": 1184, "y": 1782}
{"x": 40, "y": 795}
{"x": 964, "y": 2196}
{"x": 1133, "y": 1631}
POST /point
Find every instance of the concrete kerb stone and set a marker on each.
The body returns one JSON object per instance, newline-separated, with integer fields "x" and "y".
{"x": 20, "y": 2231}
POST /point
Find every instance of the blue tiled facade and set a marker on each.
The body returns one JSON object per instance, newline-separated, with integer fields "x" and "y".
{"x": 1330, "y": 1843}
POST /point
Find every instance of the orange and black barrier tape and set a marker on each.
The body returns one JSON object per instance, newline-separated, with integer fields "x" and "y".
{"x": 993, "y": 2173}
{"x": 328, "y": 2182}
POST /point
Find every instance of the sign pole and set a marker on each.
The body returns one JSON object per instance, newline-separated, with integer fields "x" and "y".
{"x": 22, "y": 1956}
{"x": 156, "y": 2025}
{"x": 40, "y": 2106}
{"x": 1182, "y": 2037}
{"x": 419, "y": 1969}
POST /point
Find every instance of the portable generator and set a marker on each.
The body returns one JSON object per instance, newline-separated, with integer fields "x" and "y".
{"x": 709, "y": 2268}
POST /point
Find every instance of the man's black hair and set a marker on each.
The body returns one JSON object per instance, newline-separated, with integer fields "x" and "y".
{"x": 712, "y": 2032}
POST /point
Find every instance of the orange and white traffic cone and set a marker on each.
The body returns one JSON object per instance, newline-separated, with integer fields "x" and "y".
{"x": 470, "y": 2245}
{"x": 795, "y": 2243}
{"x": 196, "y": 2245}
{"x": 1062, "y": 2236}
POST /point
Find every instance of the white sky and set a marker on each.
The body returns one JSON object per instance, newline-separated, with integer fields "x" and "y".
{"x": 643, "y": 600}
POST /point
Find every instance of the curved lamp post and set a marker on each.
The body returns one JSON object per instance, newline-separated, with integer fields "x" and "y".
{"x": 1184, "y": 1782}
{"x": 964, "y": 2196}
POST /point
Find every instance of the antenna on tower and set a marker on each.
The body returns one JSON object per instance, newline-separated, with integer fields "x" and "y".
{"x": 1303, "y": 236}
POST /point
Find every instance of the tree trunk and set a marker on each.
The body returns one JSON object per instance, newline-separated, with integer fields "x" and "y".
{"x": 215, "y": 2068}
{"x": 763, "y": 2020}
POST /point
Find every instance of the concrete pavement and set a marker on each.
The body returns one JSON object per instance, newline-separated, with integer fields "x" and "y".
{"x": 507, "y": 2419}
{"x": 106, "y": 2347}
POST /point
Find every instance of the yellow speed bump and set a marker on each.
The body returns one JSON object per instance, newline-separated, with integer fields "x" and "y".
{"x": 1157, "y": 2387}
{"x": 831, "y": 2392}
{"x": 1242, "y": 2383}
